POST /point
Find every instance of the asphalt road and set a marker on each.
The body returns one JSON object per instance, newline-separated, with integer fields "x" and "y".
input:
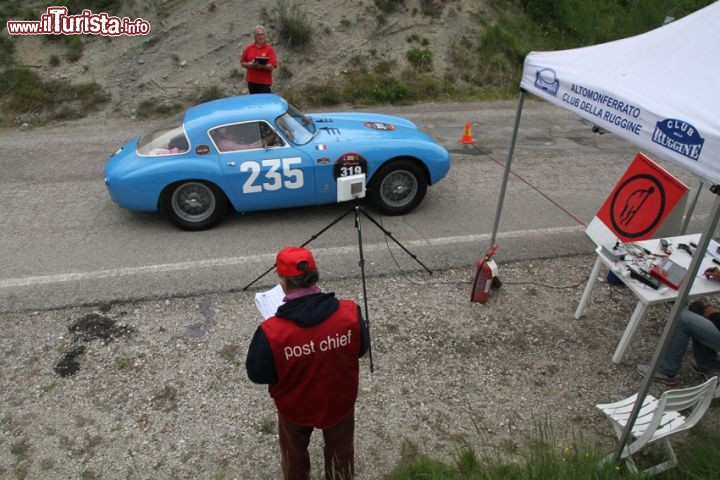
{"x": 62, "y": 241}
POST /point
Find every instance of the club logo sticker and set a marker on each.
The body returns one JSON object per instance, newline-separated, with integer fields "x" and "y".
{"x": 202, "y": 149}
{"x": 680, "y": 137}
{"x": 381, "y": 126}
{"x": 547, "y": 81}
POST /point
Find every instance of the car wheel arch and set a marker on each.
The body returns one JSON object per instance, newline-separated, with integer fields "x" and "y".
{"x": 415, "y": 160}
{"x": 172, "y": 185}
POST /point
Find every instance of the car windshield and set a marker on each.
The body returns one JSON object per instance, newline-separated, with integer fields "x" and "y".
{"x": 168, "y": 139}
{"x": 297, "y": 127}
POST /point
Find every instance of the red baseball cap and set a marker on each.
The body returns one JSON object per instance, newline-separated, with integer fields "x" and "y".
{"x": 294, "y": 261}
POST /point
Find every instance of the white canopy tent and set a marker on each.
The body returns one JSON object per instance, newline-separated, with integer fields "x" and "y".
{"x": 660, "y": 91}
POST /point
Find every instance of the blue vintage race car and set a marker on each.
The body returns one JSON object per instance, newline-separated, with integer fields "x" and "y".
{"x": 259, "y": 152}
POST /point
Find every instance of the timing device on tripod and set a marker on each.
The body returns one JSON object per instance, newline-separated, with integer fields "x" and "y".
{"x": 352, "y": 188}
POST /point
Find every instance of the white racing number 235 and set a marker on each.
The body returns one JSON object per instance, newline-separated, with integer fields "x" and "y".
{"x": 280, "y": 174}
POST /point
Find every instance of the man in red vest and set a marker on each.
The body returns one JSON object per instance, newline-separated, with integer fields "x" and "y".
{"x": 259, "y": 60}
{"x": 308, "y": 354}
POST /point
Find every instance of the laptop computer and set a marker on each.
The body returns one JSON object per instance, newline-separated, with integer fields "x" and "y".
{"x": 669, "y": 272}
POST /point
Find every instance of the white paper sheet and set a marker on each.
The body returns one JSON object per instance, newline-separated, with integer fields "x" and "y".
{"x": 712, "y": 249}
{"x": 268, "y": 302}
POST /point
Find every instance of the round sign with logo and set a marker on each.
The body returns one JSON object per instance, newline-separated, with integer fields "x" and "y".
{"x": 350, "y": 164}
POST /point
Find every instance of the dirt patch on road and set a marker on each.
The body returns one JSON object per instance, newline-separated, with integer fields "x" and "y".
{"x": 89, "y": 327}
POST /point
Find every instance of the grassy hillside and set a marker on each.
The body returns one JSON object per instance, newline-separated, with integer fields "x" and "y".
{"x": 331, "y": 51}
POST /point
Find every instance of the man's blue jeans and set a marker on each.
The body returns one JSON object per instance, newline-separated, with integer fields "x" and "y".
{"x": 706, "y": 343}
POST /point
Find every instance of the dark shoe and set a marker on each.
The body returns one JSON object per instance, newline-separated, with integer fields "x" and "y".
{"x": 704, "y": 372}
{"x": 666, "y": 380}
{"x": 698, "y": 306}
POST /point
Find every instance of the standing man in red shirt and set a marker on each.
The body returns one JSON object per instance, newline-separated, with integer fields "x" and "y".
{"x": 259, "y": 60}
{"x": 308, "y": 354}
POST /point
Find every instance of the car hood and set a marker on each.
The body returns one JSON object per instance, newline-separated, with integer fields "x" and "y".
{"x": 354, "y": 126}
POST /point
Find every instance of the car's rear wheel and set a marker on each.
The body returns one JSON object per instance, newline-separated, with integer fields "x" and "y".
{"x": 194, "y": 205}
{"x": 398, "y": 187}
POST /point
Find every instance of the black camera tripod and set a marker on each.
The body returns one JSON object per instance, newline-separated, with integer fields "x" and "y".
{"x": 357, "y": 210}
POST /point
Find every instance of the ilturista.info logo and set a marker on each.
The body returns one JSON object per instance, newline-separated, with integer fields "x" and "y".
{"x": 57, "y": 22}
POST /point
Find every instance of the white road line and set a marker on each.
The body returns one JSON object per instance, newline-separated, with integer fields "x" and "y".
{"x": 265, "y": 258}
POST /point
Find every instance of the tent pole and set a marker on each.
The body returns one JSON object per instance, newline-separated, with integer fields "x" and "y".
{"x": 506, "y": 173}
{"x": 690, "y": 210}
{"x": 671, "y": 324}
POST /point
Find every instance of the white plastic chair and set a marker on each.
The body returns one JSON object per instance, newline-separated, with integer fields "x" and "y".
{"x": 658, "y": 420}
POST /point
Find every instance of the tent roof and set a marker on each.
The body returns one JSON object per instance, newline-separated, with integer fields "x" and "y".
{"x": 659, "y": 90}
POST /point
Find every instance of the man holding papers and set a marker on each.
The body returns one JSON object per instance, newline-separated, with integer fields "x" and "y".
{"x": 308, "y": 355}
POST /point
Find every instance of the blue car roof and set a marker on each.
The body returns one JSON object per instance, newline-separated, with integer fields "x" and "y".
{"x": 235, "y": 109}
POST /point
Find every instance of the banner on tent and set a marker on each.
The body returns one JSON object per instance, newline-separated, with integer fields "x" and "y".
{"x": 646, "y": 201}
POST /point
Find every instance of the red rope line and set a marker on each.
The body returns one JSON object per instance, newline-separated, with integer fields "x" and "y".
{"x": 562, "y": 209}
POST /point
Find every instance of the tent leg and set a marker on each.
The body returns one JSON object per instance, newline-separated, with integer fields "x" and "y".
{"x": 672, "y": 321}
{"x": 506, "y": 173}
{"x": 691, "y": 209}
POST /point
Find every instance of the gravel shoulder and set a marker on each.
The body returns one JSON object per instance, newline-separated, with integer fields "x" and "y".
{"x": 166, "y": 395}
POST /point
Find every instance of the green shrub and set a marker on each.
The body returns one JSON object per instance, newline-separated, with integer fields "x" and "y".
{"x": 294, "y": 28}
{"x": 75, "y": 48}
{"x": 385, "y": 67}
{"x": 392, "y": 91}
{"x": 388, "y": 6}
{"x": 579, "y": 23}
{"x": 420, "y": 59}
{"x": 7, "y": 51}
{"x": 23, "y": 88}
{"x": 16, "y": 11}
{"x": 431, "y": 8}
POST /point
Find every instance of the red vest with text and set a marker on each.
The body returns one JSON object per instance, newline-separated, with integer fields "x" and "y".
{"x": 317, "y": 367}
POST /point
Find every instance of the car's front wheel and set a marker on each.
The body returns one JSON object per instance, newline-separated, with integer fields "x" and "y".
{"x": 398, "y": 187}
{"x": 194, "y": 205}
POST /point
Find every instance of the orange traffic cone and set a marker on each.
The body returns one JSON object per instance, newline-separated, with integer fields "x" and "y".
{"x": 467, "y": 136}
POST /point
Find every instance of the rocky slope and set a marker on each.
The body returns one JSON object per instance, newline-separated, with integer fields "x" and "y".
{"x": 196, "y": 45}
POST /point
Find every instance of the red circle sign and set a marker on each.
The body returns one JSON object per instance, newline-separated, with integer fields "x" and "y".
{"x": 638, "y": 206}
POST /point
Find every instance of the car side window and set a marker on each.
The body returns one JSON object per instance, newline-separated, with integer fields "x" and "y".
{"x": 270, "y": 137}
{"x": 166, "y": 140}
{"x": 239, "y": 136}
{"x": 244, "y": 136}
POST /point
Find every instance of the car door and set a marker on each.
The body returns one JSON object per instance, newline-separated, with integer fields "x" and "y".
{"x": 270, "y": 173}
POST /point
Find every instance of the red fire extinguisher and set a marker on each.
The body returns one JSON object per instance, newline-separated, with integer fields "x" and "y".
{"x": 485, "y": 277}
